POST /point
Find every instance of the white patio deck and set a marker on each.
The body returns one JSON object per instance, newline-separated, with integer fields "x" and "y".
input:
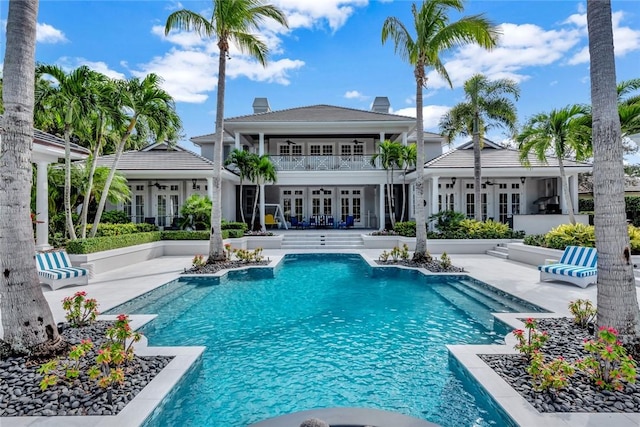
{"x": 117, "y": 286}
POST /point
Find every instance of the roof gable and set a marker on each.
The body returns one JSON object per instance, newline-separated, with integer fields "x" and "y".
{"x": 319, "y": 113}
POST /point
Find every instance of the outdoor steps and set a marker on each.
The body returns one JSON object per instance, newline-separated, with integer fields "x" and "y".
{"x": 472, "y": 309}
{"x": 318, "y": 240}
{"x": 499, "y": 251}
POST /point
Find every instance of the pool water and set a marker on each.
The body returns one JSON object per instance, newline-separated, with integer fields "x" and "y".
{"x": 323, "y": 331}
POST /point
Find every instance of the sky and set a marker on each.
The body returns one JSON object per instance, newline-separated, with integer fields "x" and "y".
{"x": 332, "y": 53}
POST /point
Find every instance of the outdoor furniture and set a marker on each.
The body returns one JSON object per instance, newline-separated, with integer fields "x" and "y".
{"x": 295, "y": 223}
{"x": 312, "y": 222}
{"x": 348, "y": 222}
{"x": 578, "y": 266}
{"x": 330, "y": 222}
{"x": 269, "y": 220}
{"x": 55, "y": 270}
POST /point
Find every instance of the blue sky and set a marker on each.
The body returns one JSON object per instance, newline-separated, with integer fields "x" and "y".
{"x": 332, "y": 54}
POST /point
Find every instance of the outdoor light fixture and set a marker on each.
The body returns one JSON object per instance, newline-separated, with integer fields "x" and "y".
{"x": 194, "y": 181}
{"x": 523, "y": 179}
{"x": 453, "y": 180}
{"x": 487, "y": 182}
{"x": 355, "y": 141}
{"x": 290, "y": 142}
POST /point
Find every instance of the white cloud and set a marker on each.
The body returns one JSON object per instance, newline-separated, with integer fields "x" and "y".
{"x": 431, "y": 115}
{"x": 69, "y": 63}
{"x": 354, "y": 94}
{"x": 46, "y": 33}
{"x": 520, "y": 46}
{"x": 310, "y": 14}
{"x": 274, "y": 72}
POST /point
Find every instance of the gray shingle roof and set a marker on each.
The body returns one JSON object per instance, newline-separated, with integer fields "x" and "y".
{"x": 43, "y": 138}
{"x": 493, "y": 158}
{"x": 319, "y": 113}
{"x": 177, "y": 158}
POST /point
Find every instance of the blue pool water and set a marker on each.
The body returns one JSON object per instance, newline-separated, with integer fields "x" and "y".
{"x": 323, "y": 331}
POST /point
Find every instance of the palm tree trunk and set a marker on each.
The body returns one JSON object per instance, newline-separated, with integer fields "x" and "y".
{"x": 216, "y": 246}
{"x": 255, "y": 206}
{"x": 565, "y": 191}
{"x": 87, "y": 192}
{"x": 241, "y": 203}
{"x": 112, "y": 173}
{"x": 26, "y": 317}
{"x": 404, "y": 193}
{"x": 477, "y": 171}
{"x": 67, "y": 184}
{"x": 420, "y": 253}
{"x": 617, "y": 299}
{"x": 389, "y": 200}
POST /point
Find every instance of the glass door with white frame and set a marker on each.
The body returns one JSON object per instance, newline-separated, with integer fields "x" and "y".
{"x": 167, "y": 203}
{"x": 292, "y": 203}
{"x": 509, "y": 200}
{"x": 351, "y": 205}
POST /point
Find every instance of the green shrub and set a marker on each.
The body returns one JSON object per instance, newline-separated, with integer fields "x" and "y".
{"x": 570, "y": 235}
{"x": 447, "y": 221}
{"x": 98, "y": 244}
{"x": 114, "y": 217}
{"x": 114, "y": 229}
{"x": 534, "y": 239}
{"x": 484, "y": 230}
{"x": 232, "y": 233}
{"x": 184, "y": 235}
{"x": 585, "y": 205}
{"x": 143, "y": 227}
{"x": 234, "y": 226}
{"x": 196, "y": 213}
{"x": 406, "y": 229}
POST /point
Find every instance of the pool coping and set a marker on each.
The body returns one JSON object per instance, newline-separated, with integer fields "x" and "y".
{"x": 503, "y": 395}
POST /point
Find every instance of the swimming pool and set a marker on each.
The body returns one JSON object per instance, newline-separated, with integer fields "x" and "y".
{"x": 322, "y": 331}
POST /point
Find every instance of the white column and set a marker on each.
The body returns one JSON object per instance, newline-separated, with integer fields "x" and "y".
{"x": 237, "y": 140}
{"x": 434, "y": 195}
{"x": 573, "y": 190}
{"x": 210, "y": 187}
{"x": 262, "y": 224}
{"x": 404, "y": 138}
{"x": 261, "y": 145}
{"x": 381, "y": 136}
{"x": 42, "y": 207}
{"x": 381, "y": 202}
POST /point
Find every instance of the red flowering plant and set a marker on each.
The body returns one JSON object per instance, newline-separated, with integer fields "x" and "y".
{"x": 80, "y": 310}
{"x": 549, "y": 376}
{"x": 609, "y": 363}
{"x": 52, "y": 371}
{"x": 531, "y": 340}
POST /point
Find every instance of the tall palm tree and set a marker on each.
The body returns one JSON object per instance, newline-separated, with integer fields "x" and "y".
{"x": 434, "y": 35}
{"x": 242, "y": 160}
{"x": 261, "y": 172}
{"x": 150, "y": 112}
{"x": 388, "y": 155}
{"x": 629, "y": 111}
{"x": 69, "y": 97}
{"x": 617, "y": 299}
{"x": 26, "y": 317}
{"x": 231, "y": 22}
{"x": 565, "y": 133}
{"x": 407, "y": 160}
{"x": 487, "y": 104}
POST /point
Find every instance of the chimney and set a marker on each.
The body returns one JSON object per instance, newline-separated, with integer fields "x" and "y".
{"x": 381, "y": 104}
{"x": 261, "y": 105}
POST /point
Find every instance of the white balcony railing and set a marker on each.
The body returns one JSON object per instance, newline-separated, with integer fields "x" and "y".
{"x": 319, "y": 163}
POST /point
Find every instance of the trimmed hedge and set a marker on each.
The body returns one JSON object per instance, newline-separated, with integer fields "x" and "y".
{"x": 234, "y": 226}
{"x": 631, "y": 203}
{"x": 577, "y": 235}
{"x": 463, "y": 229}
{"x": 99, "y": 244}
{"x": 185, "y": 235}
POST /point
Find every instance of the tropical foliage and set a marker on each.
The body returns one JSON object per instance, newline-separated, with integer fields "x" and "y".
{"x": 488, "y": 104}
{"x": 389, "y": 156}
{"x": 431, "y": 34}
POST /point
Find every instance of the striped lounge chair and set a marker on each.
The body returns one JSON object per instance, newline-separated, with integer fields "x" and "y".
{"x": 55, "y": 270}
{"x": 578, "y": 266}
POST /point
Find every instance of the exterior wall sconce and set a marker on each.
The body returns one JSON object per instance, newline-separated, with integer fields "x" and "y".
{"x": 193, "y": 182}
{"x": 523, "y": 179}
{"x": 290, "y": 142}
{"x": 355, "y": 141}
{"x": 453, "y": 180}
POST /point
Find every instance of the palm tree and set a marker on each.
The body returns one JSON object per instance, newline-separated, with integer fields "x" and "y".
{"x": 406, "y": 161}
{"x": 242, "y": 160}
{"x": 617, "y": 299}
{"x": 565, "y": 133}
{"x": 26, "y": 317}
{"x": 230, "y": 22}
{"x": 262, "y": 171}
{"x": 434, "y": 35}
{"x": 629, "y": 111}
{"x": 69, "y": 97}
{"x": 150, "y": 113}
{"x": 389, "y": 156}
{"x": 487, "y": 105}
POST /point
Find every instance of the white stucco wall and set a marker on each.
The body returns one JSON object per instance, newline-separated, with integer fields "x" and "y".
{"x": 228, "y": 200}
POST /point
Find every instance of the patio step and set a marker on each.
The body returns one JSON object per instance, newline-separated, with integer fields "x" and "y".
{"x": 322, "y": 241}
{"x": 499, "y": 251}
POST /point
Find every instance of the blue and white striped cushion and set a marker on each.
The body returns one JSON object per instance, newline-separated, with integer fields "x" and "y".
{"x": 568, "y": 270}
{"x": 580, "y": 256}
{"x": 53, "y": 260}
{"x": 62, "y": 273}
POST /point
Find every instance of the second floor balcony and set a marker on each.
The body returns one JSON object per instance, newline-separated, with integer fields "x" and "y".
{"x": 323, "y": 163}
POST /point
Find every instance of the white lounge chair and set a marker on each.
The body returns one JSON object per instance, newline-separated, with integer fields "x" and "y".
{"x": 578, "y": 266}
{"x": 55, "y": 270}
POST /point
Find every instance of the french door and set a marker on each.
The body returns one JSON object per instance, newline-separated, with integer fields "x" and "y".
{"x": 351, "y": 205}
{"x": 509, "y": 197}
{"x": 293, "y": 203}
